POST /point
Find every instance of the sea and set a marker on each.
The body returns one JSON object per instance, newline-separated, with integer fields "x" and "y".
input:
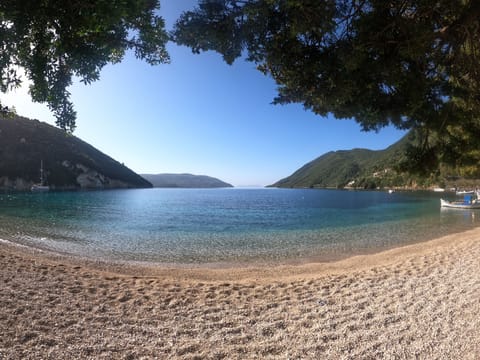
{"x": 196, "y": 227}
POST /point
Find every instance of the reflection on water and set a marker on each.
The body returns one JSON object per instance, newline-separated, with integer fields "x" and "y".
{"x": 225, "y": 225}
{"x": 463, "y": 215}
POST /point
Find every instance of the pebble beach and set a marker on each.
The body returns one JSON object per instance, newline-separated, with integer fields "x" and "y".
{"x": 420, "y": 301}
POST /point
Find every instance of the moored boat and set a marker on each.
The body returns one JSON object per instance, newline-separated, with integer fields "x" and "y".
{"x": 40, "y": 187}
{"x": 465, "y": 192}
{"x": 467, "y": 203}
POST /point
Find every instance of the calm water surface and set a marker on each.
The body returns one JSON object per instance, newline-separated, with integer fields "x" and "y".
{"x": 199, "y": 226}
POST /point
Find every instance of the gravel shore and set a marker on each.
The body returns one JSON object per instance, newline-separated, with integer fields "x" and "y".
{"x": 415, "y": 302}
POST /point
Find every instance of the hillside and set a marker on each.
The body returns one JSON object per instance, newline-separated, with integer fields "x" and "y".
{"x": 69, "y": 162}
{"x": 357, "y": 168}
{"x": 185, "y": 181}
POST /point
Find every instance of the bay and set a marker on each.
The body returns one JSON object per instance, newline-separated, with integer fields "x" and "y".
{"x": 204, "y": 226}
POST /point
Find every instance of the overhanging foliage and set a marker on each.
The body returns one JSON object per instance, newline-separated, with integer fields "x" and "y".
{"x": 52, "y": 41}
{"x": 408, "y": 63}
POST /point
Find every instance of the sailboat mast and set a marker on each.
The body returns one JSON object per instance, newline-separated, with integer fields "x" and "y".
{"x": 41, "y": 186}
{"x": 41, "y": 172}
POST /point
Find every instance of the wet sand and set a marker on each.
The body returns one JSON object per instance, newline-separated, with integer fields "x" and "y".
{"x": 420, "y": 301}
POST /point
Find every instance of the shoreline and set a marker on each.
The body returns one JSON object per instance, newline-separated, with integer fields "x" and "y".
{"x": 414, "y": 301}
{"x": 260, "y": 263}
{"x": 313, "y": 265}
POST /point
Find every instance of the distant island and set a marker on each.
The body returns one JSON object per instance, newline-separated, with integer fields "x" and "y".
{"x": 371, "y": 169}
{"x": 69, "y": 163}
{"x": 185, "y": 181}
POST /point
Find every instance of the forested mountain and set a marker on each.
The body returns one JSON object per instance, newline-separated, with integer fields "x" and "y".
{"x": 369, "y": 169}
{"x": 185, "y": 181}
{"x": 68, "y": 162}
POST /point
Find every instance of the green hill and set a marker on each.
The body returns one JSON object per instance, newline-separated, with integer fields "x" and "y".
{"x": 69, "y": 162}
{"x": 185, "y": 181}
{"x": 358, "y": 168}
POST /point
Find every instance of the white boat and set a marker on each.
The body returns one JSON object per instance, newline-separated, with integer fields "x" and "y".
{"x": 40, "y": 187}
{"x": 465, "y": 192}
{"x": 467, "y": 203}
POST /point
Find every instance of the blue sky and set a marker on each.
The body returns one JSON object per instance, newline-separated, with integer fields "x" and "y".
{"x": 199, "y": 115}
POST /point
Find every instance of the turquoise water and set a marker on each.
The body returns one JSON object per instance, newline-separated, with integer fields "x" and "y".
{"x": 199, "y": 226}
